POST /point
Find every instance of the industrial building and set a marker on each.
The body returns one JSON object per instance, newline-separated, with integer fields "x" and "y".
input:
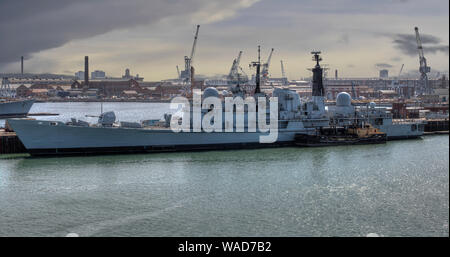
{"x": 98, "y": 74}
{"x": 384, "y": 74}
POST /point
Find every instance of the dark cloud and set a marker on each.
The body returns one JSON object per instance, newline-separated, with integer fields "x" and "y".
{"x": 30, "y": 26}
{"x": 407, "y": 44}
{"x": 383, "y": 65}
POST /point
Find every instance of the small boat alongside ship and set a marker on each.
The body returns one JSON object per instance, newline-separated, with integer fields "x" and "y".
{"x": 342, "y": 136}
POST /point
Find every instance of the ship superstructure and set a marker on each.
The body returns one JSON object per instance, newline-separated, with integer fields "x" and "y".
{"x": 345, "y": 114}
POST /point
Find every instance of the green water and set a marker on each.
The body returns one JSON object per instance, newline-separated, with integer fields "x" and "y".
{"x": 397, "y": 189}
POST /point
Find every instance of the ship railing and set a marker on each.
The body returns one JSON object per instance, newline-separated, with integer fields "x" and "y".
{"x": 408, "y": 121}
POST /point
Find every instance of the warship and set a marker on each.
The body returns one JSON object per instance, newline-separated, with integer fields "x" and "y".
{"x": 15, "y": 108}
{"x": 296, "y": 119}
{"x": 108, "y": 136}
{"x": 9, "y": 105}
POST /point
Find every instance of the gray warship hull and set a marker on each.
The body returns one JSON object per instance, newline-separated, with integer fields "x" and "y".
{"x": 402, "y": 131}
{"x": 57, "y": 138}
{"x": 15, "y": 108}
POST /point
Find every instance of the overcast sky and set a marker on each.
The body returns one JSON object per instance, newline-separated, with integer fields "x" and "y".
{"x": 151, "y": 37}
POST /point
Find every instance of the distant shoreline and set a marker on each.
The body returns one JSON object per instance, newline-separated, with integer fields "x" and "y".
{"x": 102, "y": 101}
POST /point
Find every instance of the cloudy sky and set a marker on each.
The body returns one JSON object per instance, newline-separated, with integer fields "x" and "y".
{"x": 357, "y": 37}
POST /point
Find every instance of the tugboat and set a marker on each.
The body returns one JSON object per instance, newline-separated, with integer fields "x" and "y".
{"x": 353, "y": 135}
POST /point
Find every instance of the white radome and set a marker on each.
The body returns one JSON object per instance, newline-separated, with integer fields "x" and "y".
{"x": 210, "y": 91}
{"x": 343, "y": 99}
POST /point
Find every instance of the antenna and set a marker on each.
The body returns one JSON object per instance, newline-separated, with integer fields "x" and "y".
{"x": 317, "y": 80}
{"x": 258, "y": 67}
{"x": 259, "y": 54}
{"x": 316, "y": 57}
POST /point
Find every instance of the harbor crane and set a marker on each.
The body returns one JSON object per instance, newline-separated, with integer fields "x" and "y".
{"x": 395, "y": 82}
{"x": 188, "y": 61}
{"x": 423, "y": 68}
{"x": 237, "y": 75}
{"x": 235, "y": 67}
{"x": 5, "y": 89}
{"x": 187, "y": 75}
{"x": 265, "y": 69}
{"x": 400, "y": 72}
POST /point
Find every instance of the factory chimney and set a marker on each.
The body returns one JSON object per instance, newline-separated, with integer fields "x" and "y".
{"x": 86, "y": 70}
{"x": 335, "y": 74}
{"x": 21, "y": 65}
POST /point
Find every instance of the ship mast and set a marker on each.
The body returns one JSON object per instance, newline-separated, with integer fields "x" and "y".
{"x": 317, "y": 83}
{"x": 258, "y": 67}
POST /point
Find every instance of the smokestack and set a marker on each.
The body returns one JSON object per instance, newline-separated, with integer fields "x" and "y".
{"x": 335, "y": 74}
{"x": 21, "y": 65}
{"x": 86, "y": 70}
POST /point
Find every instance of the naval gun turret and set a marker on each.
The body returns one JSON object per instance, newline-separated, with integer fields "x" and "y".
{"x": 107, "y": 119}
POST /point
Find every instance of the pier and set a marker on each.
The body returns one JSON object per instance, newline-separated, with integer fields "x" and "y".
{"x": 437, "y": 125}
{"x": 10, "y": 143}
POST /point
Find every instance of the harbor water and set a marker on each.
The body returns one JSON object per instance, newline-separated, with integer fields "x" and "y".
{"x": 396, "y": 189}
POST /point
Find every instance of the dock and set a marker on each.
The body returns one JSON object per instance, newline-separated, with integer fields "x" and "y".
{"x": 10, "y": 143}
{"x": 437, "y": 125}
